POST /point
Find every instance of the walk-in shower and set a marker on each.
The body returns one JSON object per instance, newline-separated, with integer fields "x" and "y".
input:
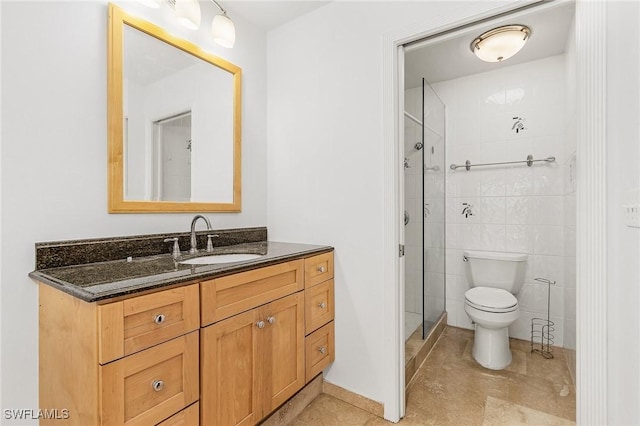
{"x": 424, "y": 209}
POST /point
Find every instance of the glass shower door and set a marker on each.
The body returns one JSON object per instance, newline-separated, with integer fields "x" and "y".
{"x": 433, "y": 197}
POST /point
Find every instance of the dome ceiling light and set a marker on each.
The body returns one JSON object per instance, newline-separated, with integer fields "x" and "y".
{"x": 500, "y": 43}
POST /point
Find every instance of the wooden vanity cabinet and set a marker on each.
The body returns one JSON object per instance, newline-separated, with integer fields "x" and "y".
{"x": 226, "y": 351}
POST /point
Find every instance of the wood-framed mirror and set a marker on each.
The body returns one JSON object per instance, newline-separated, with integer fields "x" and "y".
{"x": 174, "y": 123}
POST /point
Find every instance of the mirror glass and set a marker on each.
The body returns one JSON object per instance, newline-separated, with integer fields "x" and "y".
{"x": 178, "y": 145}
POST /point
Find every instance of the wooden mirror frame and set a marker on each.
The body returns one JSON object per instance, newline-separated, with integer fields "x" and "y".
{"x": 115, "y": 167}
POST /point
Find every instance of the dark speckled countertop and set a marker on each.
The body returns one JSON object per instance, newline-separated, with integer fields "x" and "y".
{"x": 113, "y": 278}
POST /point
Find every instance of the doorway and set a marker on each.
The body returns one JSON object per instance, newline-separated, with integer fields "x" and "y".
{"x": 590, "y": 223}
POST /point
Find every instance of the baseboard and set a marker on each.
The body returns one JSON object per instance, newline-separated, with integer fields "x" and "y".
{"x": 357, "y": 400}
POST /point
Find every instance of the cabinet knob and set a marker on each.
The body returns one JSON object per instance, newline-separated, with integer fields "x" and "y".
{"x": 271, "y": 320}
{"x": 322, "y": 305}
{"x": 321, "y": 269}
{"x": 157, "y": 385}
{"x": 322, "y": 350}
{"x": 260, "y": 324}
{"x": 159, "y": 319}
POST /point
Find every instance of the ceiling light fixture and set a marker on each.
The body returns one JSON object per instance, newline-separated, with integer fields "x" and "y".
{"x": 500, "y": 43}
{"x": 223, "y": 29}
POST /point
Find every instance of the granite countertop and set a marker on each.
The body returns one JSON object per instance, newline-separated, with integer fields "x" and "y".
{"x": 97, "y": 281}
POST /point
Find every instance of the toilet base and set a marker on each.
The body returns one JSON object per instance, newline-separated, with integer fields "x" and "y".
{"x": 491, "y": 347}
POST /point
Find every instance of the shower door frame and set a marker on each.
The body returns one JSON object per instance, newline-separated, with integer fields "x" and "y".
{"x": 591, "y": 257}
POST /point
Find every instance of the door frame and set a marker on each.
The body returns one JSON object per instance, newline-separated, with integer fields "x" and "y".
{"x": 591, "y": 258}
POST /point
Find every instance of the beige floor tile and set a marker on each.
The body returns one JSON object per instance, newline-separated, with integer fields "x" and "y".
{"x": 451, "y": 388}
{"x": 502, "y": 413}
{"x": 326, "y": 410}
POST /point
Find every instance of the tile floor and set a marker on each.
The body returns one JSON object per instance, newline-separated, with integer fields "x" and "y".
{"x": 450, "y": 388}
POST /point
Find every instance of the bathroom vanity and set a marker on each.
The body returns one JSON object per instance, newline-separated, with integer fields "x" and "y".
{"x": 150, "y": 340}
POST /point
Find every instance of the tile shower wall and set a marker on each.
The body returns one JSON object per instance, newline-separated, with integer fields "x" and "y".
{"x": 504, "y": 115}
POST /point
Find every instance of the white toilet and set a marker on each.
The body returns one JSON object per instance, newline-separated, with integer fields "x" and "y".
{"x": 491, "y": 304}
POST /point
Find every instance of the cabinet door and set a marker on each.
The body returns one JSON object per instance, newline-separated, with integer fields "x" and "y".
{"x": 228, "y": 371}
{"x": 282, "y": 350}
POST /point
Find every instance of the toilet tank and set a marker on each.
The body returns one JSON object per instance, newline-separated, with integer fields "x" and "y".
{"x": 495, "y": 269}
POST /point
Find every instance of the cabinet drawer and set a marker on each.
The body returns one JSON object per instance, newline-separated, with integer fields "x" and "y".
{"x": 190, "y": 416}
{"x": 318, "y": 269}
{"x": 149, "y": 386}
{"x": 319, "y": 350}
{"x": 227, "y": 296}
{"x": 138, "y": 323}
{"x": 318, "y": 306}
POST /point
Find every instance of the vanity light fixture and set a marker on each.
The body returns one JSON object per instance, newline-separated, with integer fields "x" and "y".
{"x": 154, "y": 4}
{"x": 500, "y": 43}
{"x": 188, "y": 13}
{"x": 223, "y": 29}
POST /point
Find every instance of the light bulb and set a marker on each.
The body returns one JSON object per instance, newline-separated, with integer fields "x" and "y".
{"x": 154, "y": 4}
{"x": 188, "y": 13}
{"x": 223, "y": 31}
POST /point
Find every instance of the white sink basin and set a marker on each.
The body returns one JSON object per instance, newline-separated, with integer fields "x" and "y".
{"x": 220, "y": 258}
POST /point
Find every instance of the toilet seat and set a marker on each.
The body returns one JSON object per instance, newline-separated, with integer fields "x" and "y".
{"x": 489, "y": 299}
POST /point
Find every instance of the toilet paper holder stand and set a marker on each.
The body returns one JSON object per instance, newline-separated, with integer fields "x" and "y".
{"x": 542, "y": 328}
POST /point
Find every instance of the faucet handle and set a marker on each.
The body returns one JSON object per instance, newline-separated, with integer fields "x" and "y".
{"x": 176, "y": 247}
{"x": 209, "y": 242}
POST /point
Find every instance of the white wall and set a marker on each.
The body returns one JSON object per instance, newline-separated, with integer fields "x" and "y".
{"x": 54, "y": 154}
{"x": 623, "y": 183}
{"x": 325, "y": 156}
{"x": 515, "y": 208}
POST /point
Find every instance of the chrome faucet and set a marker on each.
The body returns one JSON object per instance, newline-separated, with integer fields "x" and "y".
{"x": 466, "y": 211}
{"x": 194, "y": 242}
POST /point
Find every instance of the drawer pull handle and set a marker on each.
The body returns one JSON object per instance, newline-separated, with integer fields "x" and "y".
{"x": 271, "y": 320}
{"x": 321, "y": 269}
{"x": 159, "y": 319}
{"x": 322, "y": 305}
{"x": 322, "y": 350}
{"x": 260, "y": 324}
{"x": 157, "y": 385}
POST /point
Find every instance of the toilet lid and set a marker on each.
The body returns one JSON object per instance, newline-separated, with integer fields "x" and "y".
{"x": 491, "y": 299}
